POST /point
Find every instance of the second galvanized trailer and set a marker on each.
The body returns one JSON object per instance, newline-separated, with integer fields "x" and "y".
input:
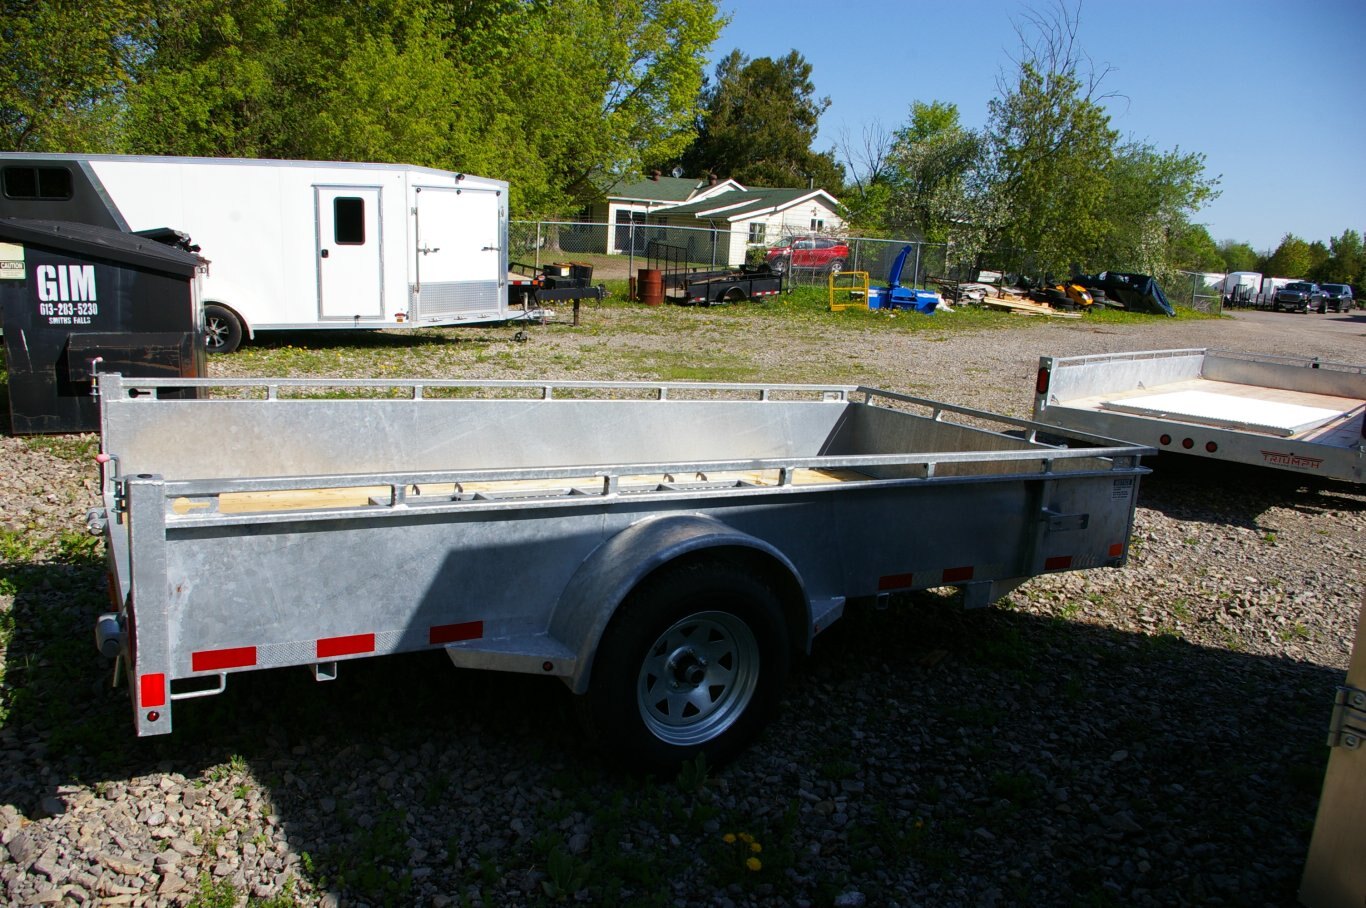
{"x": 1295, "y": 414}
{"x": 662, "y": 548}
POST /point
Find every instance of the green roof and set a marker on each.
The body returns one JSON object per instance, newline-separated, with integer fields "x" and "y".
{"x": 664, "y": 189}
{"x": 740, "y": 204}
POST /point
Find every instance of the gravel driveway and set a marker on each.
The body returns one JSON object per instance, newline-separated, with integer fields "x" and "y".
{"x": 1151, "y": 735}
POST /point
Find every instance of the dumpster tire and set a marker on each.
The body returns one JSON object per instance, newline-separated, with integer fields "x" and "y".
{"x": 222, "y": 329}
{"x": 692, "y": 664}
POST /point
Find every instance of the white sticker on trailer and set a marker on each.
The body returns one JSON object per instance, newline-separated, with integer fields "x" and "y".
{"x": 11, "y": 262}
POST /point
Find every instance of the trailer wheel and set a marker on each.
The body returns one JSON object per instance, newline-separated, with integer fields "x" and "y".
{"x": 693, "y": 663}
{"x": 222, "y": 329}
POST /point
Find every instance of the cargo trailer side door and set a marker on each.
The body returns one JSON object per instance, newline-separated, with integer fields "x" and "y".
{"x": 350, "y": 265}
{"x": 460, "y": 270}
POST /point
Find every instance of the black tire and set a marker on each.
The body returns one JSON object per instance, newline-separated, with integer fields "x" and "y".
{"x": 835, "y": 266}
{"x": 779, "y": 264}
{"x": 693, "y": 663}
{"x": 222, "y": 329}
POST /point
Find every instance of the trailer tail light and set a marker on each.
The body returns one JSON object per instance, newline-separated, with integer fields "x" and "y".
{"x": 1188, "y": 443}
{"x": 1165, "y": 439}
{"x": 1041, "y": 380}
{"x": 1116, "y": 549}
{"x": 152, "y": 690}
{"x": 1211, "y": 447}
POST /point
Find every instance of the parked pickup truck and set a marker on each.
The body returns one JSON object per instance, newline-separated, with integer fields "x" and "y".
{"x": 1299, "y": 295}
{"x": 664, "y": 549}
{"x": 1299, "y": 415}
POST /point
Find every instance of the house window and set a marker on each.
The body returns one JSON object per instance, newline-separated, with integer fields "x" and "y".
{"x": 46, "y": 183}
{"x": 817, "y": 224}
{"x": 756, "y": 233}
{"x": 348, "y": 220}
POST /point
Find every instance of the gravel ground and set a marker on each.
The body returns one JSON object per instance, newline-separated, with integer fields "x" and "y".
{"x": 1151, "y": 735}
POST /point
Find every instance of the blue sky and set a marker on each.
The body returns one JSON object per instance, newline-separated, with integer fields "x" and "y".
{"x": 1272, "y": 92}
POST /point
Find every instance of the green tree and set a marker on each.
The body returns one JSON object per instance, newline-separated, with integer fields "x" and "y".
{"x": 1050, "y": 147}
{"x": 931, "y": 168}
{"x": 546, "y": 96}
{"x": 758, "y": 121}
{"x": 1292, "y": 258}
{"x": 64, "y": 66}
{"x": 1152, "y": 196}
{"x": 1347, "y": 261}
{"x": 1189, "y": 247}
{"x": 1238, "y": 256}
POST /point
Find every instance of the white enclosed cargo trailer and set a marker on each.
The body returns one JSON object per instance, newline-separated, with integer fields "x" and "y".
{"x": 1288, "y": 413}
{"x": 295, "y": 244}
{"x": 663, "y": 549}
{"x": 1242, "y": 287}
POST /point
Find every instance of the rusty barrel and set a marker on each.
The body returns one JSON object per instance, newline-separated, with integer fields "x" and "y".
{"x": 651, "y": 285}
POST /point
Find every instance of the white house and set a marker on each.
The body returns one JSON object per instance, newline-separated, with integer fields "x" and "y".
{"x": 638, "y": 201}
{"x": 751, "y": 218}
{"x": 757, "y": 218}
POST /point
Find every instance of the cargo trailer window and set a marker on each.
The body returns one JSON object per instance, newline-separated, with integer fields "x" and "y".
{"x": 53, "y": 183}
{"x": 348, "y": 219}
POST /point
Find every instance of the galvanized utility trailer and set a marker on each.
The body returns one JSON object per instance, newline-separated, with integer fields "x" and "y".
{"x": 1300, "y": 415}
{"x": 664, "y": 549}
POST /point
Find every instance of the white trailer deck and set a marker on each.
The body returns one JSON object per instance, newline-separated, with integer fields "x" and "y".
{"x": 1294, "y": 414}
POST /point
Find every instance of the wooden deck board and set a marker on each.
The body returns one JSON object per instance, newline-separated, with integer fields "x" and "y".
{"x": 361, "y": 496}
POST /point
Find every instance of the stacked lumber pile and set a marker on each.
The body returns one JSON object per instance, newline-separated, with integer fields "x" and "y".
{"x": 998, "y": 298}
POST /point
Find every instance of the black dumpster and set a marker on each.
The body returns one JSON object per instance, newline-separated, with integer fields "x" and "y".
{"x": 77, "y": 300}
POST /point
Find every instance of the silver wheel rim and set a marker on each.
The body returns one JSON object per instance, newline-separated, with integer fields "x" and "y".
{"x": 215, "y": 332}
{"x": 697, "y": 678}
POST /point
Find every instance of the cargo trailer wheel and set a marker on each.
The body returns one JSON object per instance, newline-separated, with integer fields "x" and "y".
{"x": 693, "y": 663}
{"x": 222, "y": 329}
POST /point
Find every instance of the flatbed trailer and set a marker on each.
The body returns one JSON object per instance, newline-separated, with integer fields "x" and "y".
{"x": 663, "y": 549}
{"x": 1287, "y": 413}
{"x": 708, "y": 287}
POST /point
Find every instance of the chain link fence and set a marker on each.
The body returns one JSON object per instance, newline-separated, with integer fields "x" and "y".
{"x": 1199, "y": 291}
{"x": 617, "y": 251}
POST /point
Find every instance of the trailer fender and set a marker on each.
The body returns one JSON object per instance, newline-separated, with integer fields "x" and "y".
{"x": 605, "y": 578}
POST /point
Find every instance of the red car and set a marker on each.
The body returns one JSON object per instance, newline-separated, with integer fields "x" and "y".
{"x": 812, "y": 253}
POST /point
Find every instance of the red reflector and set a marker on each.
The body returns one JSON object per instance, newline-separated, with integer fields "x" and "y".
{"x": 330, "y": 647}
{"x": 152, "y": 689}
{"x": 1041, "y": 381}
{"x": 1116, "y": 550}
{"x": 895, "y": 582}
{"x": 453, "y": 633}
{"x": 1165, "y": 439}
{"x": 955, "y": 575}
{"x": 1058, "y": 563}
{"x": 213, "y": 660}
{"x": 1188, "y": 443}
{"x": 1211, "y": 447}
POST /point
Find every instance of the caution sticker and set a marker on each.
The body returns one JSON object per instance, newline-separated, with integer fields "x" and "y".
{"x": 11, "y": 262}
